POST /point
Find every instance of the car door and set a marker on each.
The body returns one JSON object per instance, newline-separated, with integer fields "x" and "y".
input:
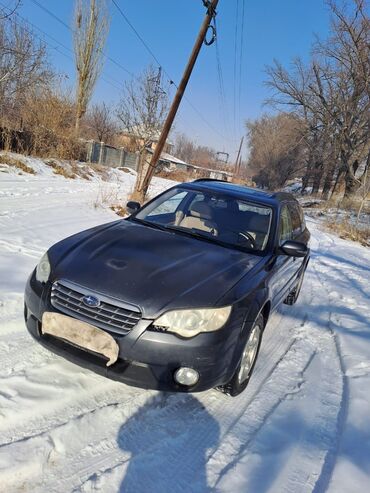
{"x": 284, "y": 267}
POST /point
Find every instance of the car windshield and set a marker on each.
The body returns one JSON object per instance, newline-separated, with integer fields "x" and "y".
{"x": 217, "y": 218}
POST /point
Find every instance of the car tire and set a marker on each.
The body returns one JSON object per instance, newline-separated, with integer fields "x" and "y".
{"x": 241, "y": 377}
{"x": 293, "y": 295}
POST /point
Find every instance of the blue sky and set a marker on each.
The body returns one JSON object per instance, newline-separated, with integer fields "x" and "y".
{"x": 280, "y": 29}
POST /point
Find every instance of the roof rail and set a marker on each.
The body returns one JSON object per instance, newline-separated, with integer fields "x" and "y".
{"x": 209, "y": 179}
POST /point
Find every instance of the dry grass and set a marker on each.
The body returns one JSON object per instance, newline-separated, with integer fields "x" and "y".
{"x": 107, "y": 195}
{"x": 348, "y": 230}
{"x": 136, "y": 197}
{"x": 348, "y": 205}
{"x": 59, "y": 169}
{"x": 16, "y": 163}
{"x": 176, "y": 175}
{"x": 243, "y": 181}
{"x": 119, "y": 210}
{"x": 103, "y": 171}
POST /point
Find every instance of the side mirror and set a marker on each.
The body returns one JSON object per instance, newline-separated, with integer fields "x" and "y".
{"x": 132, "y": 207}
{"x": 294, "y": 248}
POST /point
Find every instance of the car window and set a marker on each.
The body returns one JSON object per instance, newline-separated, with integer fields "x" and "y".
{"x": 296, "y": 220}
{"x": 285, "y": 228}
{"x": 216, "y": 216}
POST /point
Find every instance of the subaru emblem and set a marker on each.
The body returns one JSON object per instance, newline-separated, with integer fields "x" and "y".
{"x": 91, "y": 301}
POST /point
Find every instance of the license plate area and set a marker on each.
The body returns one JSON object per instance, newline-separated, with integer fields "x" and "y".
{"x": 81, "y": 334}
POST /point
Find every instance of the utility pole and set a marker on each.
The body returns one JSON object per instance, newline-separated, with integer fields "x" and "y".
{"x": 211, "y": 12}
{"x": 238, "y": 160}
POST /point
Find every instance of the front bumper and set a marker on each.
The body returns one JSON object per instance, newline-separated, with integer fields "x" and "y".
{"x": 147, "y": 359}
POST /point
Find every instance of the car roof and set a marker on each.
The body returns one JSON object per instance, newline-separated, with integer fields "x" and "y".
{"x": 239, "y": 191}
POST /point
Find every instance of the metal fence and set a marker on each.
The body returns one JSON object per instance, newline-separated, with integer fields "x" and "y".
{"x": 98, "y": 152}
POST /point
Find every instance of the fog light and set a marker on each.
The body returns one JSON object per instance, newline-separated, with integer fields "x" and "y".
{"x": 186, "y": 376}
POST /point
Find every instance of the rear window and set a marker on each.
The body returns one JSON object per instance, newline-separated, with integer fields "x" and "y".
{"x": 296, "y": 218}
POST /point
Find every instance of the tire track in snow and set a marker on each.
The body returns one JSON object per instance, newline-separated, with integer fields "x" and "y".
{"x": 329, "y": 407}
{"x": 215, "y": 404}
{"x": 171, "y": 409}
{"x": 97, "y": 455}
{"x": 330, "y": 459}
{"x": 18, "y": 248}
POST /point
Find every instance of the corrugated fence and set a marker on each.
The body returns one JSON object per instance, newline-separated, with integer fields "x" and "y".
{"x": 98, "y": 152}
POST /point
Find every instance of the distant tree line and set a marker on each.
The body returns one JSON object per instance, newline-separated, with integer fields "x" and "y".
{"x": 321, "y": 130}
{"x": 200, "y": 155}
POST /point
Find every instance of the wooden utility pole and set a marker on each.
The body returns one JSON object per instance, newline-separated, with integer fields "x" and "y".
{"x": 238, "y": 160}
{"x": 143, "y": 186}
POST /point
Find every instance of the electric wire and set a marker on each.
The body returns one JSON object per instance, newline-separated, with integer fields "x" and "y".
{"x": 235, "y": 65}
{"x": 107, "y": 79}
{"x": 241, "y": 58}
{"x": 155, "y": 58}
{"x": 58, "y": 19}
{"x": 150, "y": 51}
{"x": 221, "y": 85}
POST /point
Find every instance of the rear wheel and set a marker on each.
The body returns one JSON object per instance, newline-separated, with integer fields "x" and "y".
{"x": 242, "y": 375}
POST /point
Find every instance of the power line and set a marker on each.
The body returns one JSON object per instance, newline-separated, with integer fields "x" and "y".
{"x": 147, "y": 47}
{"x": 155, "y": 58}
{"x": 111, "y": 82}
{"x": 241, "y": 57}
{"x": 235, "y": 62}
{"x": 58, "y": 19}
{"x": 221, "y": 85}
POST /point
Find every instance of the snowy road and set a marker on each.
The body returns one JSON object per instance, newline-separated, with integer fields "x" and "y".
{"x": 301, "y": 426}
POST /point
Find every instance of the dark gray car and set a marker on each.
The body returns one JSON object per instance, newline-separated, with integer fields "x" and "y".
{"x": 176, "y": 296}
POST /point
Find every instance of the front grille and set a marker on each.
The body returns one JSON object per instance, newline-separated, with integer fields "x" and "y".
{"x": 111, "y": 315}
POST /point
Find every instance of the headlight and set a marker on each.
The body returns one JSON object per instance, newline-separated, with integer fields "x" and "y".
{"x": 189, "y": 323}
{"x": 43, "y": 269}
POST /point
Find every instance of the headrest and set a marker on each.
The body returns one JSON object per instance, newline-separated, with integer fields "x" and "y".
{"x": 201, "y": 209}
{"x": 259, "y": 223}
{"x": 232, "y": 206}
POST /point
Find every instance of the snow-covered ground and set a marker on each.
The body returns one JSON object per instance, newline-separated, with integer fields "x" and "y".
{"x": 302, "y": 425}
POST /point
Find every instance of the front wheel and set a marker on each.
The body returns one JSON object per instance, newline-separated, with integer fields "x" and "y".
{"x": 242, "y": 375}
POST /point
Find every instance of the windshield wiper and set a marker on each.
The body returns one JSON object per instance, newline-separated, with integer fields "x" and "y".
{"x": 211, "y": 239}
{"x": 150, "y": 224}
{"x": 193, "y": 233}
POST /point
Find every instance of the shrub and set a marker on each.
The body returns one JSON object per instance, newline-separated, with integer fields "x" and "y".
{"x": 349, "y": 230}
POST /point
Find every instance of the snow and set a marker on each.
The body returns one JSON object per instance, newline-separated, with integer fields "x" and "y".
{"x": 301, "y": 425}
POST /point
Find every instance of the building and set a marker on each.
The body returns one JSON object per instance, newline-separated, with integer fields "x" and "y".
{"x": 135, "y": 140}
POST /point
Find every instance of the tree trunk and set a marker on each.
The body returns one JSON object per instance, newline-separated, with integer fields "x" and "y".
{"x": 328, "y": 181}
{"x": 352, "y": 184}
{"x": 78, "y": 118}
{"x": 327, "y": 185}
{"x": 317, "y": 176}
{"x": 340, "y": 173}
{"x": 306, "y": 179}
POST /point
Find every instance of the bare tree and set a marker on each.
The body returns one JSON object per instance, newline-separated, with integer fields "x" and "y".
{"x": 49, "y": 115}
{"x": 23, "y": 68}
{"x": 364, "y": 189}
{"x": 89, "y": 36}
{"x": 200, "y": 155}
{"x": 142, "y": 112}
{"x": 277, "y": 149}
{"x": 332, "y": 95}
{"x": 101, "y": 123}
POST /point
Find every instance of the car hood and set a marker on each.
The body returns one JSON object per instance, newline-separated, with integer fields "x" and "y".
{"x": 153, "y": 269}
